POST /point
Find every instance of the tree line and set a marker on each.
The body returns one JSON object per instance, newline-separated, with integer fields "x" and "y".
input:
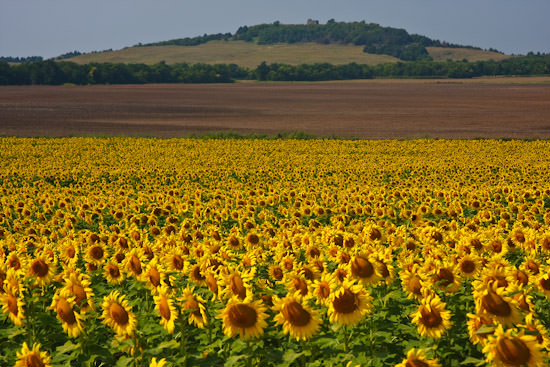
{"x": 56, "y": 73}
{"x": 375, "y": 38}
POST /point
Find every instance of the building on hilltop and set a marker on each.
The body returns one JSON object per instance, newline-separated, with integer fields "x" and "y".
{"x": 312, "y": 21}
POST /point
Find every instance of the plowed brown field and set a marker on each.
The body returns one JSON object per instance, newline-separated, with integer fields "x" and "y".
{"x": 368, "y": 109}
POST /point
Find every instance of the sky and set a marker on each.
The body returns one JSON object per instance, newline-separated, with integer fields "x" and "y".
{"x": 49, "y": 28}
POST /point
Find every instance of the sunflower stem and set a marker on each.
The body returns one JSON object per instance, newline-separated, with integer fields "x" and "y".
{"x": 183, "y": 341}
{"x": 371, "y": 327}
{"x": 249, "y": 359}
{"x": 346, "y": 347}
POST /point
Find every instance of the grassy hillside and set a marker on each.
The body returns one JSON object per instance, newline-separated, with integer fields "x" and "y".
{"x": 455, "y": 54}
{"x": 242, "y": 53}
{"x": 250, "y": 55}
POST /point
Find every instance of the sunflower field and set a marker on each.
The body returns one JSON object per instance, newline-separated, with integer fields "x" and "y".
{"x": 246, "y": 252}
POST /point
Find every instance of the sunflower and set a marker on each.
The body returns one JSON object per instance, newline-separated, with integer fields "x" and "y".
{"x": 79, "y": 286}
{"x": 363, "y": 268}
{"x": 542, "y": 281}
{"x": 96, "y": 253}
{"x": 298, "y": 320}
{"x": 113, "y": 274}
{"x": 194, "y": 304}
{"x": 494, "y": 304}
{"x": 322, "y": 288}
{"x": 511, "y": 348}
{"x": 536, "y": 328}
{"x": 432, "y": 319}
{"x": 166, "y": 309}
{"x": 244, "y": 318}
{"x": 349, "y": 303}
{"x": 12, "y": 304}
{"x": 117, "y": 314}
{"x": 71, "y": 321}
{"x": 133, "y": 263}
{"x": 154, "y": 275}
{"x": 41, "y": 270}
{"x": 196, "y": 274}
{"x": 445, "y": 278}
{"x": 157, "y": 363}
{"x": 475, "y": 325}
{"x": 175, "y": 259}
{"x": 237, "y": 283}
{"x": 32, "y": 357}
{"x": 469, "y": 266}
{"x": 276, "y": 273}
{"x": 417, "y": 358}
{"x": 413, "y": 281}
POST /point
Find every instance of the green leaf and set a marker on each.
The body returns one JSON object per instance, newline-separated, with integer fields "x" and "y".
{"x": 124, "y": 361}
{"x": 234, "y": 360}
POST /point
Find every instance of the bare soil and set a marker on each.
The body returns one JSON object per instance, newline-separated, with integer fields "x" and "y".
{"x": 376, "y": 109}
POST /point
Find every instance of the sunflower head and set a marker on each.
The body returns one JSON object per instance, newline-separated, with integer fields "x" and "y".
{"x": 513, "y": 348}
{"x": 32, "y": 357}
{"x": 298, "y": 320}
{"x": 244, "y": 318}
{"x": 118, "y": 315}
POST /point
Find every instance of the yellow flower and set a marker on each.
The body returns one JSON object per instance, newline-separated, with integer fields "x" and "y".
{"x": 117, "y": 314}
{"x": 12, "y": 304}
{"x": 70, "y": 319}
{"x": 166, "y": 309}
{"x": 32, "y": 357}
{"x": 349, "y": 303}
{"x": 417, "y": 358}
{"x": 244, "y": 318}
{"x": 193, "y": 304}
{"x": 511, "y": 348}
{"x": 41, "y": 270}
{"x": 432, "y": 319}
{"x": 160, "y": 363}
{"x": 298, "y": 320}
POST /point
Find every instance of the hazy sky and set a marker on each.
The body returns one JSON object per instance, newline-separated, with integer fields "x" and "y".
{"x": 52, "y": 27}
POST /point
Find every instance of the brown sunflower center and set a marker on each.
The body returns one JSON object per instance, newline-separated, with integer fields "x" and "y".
{"x": 416, "y": 363}
{"x": 295, "y": 313}
{"x": 70, "y": 252}
{"x": 242, "y": 316}
{"x": 277, "y": 273}
{"x": 65, "y": 311}
{"x": 253, "y": 239}
{"x": 96, "y": 252}
{"x": 324, "y": 290}
{"x": 414, "y": 285}
{"x": 237, "y": 286}
{"x": 79, "y": 293}
{"x": 39, "y": 268}
{"x": 164, "y": 308}
{"x": 197, "y": 274}
{"x": 430, "y": 318}
{"x": 177, "y": 262}
{"x": 113, "y": 271}
{"x": 301, "y": 286}
{"x": 119, "y": 314}
{"x": 513, "y": 351}
{"x": 467, "y": 266}
{"x": 135, "y": 265}
{"x": 444, "y": 277}
{"x": 361, "y": 267}
{"x": 545, "y": 284}
{"x": 12, "y": 305}
{"x": 495, "y": 304}
{"x": 347, "y": 302}
{"x": 154, "y": 277}
{"x": 34, "y": 360}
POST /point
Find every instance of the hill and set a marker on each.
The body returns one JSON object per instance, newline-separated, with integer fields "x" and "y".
{"x": 334, "y": 42}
